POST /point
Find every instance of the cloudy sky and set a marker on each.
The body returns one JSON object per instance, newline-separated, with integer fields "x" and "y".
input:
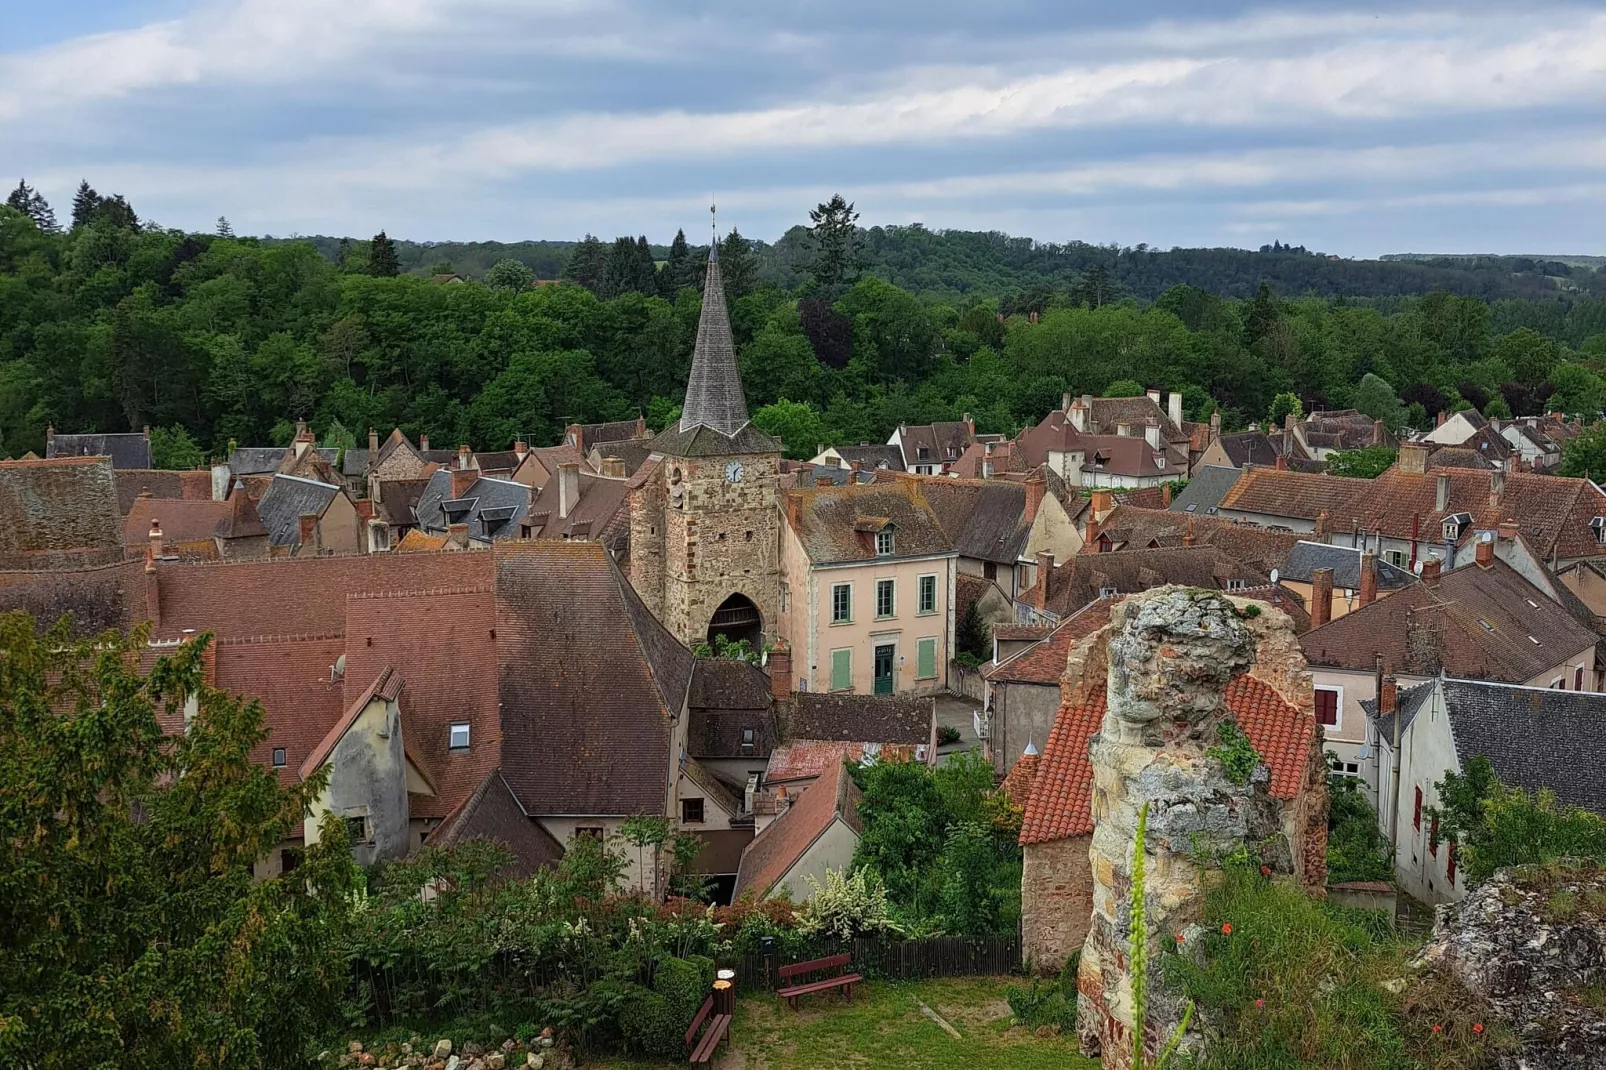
{"x": 1473, "y": 127}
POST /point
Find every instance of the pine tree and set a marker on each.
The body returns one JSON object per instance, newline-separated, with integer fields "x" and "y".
{"x": 32, "y": 204}
{"x": 84, "y": 204}
{"x": 223, "y": 228}
{"x": 677, "y": 270}
{"x": 588, "y": 264}
{"x": 117, "y": 211}
{"x": 343, "y": 253}
{"x": 20, "y": 196}
{"x": 382, "y": 261}
{"x": 737, "y": 266}
{"x": 834, "y": 238}
{"x": 646, "y": 266}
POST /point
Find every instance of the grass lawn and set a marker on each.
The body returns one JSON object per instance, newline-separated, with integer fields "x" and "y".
{"x": 883, "y": 1027}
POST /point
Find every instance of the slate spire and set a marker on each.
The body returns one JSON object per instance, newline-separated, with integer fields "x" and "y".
{"x": 714, "y": 397}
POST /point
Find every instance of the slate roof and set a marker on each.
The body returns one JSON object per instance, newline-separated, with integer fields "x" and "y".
{"x": 492, "y": 508}
{"x": 193, "y": 485}
{"x": 728, "y": 684}
{"x": 1062, "y": 790}
{"x": 1484, "y": 623}
{"x": 726, "y": 696}
{"x": 778, "y": 848}
{"x": 287, "y": 500}
{"x": 714, "y": 397}
{"x": 591, "y": 736}
{"x": 872, "y": 456}
{"x": 125, "y": 450}
{"x": 1345, "y": 561}
{"x": 492, "y": 812}
{"x": 1250, "y": 447}
{"x": 97, "y": 598}
{"x": 398, "y": 499}
{"x": 983, "y": 518}
{"x": 633, "y": 452}
{"x": 256, "y": 460}
{"x": 58, "y": 514}
{"x": 1205, "y": 490}
{"x": 878, "y": 718}
{"x": 592, "y": 435}
{"x": 832, "y": 521}
{"x": 1078, "y": 581}
{"x": 699, "y": 441}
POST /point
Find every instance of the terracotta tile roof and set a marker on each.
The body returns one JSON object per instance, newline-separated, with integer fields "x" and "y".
{"x": 1063, "y": 788}
{"x": 193, "y": 485}
{"x": 1303, "y": 495}
{"x": 1044, "y": 662}
{"x": 728, "y": 684}
{"x": 778, "y": 848}
{"x": 602, "y": 500}
{"x": 1480, "y": 623}
{"x": 591, "y": 736}
{"x": 59, "y": 514}
{"x": 1344, "y": 429}
{"x": 492, "y": 812}
{"x": 291, "y": 678}
{"x": 1015, "y": 633}
{"x": 419, "y": 541}
{"x": 1132, "y": 528}
{"x": 1142, "y": 497}
{"x": 184, "y": 523}
{"x": 879, "y": 718}
{"x": 1017, "y": 786}
{"x": 982, "y": 459}
{"x": 243, "y": 521}
{"x": 831, "y": 521}
{"x": 805, "y": 759}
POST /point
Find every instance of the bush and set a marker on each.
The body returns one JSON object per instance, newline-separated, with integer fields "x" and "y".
{"x": 947, "y": 735}
{"x": 1356, "y": 850}
{"x": 1044, "y": 1001}
{"x": 847, "y": 906}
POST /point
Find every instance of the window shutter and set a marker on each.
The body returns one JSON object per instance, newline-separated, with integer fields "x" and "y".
{"x": 1326, "y": 706}
{"x": 1416, "y": 820}
{"x": 841, "y": 670}
{"x": 926, "y": 658}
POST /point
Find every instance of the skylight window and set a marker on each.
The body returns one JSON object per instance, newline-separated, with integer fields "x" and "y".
{"x": 1485, "y": 625}
{"x": 1534, "y": 641}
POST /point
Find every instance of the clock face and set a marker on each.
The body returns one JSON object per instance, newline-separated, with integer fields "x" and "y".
{"x": 733, "y": 472}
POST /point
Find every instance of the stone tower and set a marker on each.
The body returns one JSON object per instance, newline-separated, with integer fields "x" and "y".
{"x": 704, "y": 521}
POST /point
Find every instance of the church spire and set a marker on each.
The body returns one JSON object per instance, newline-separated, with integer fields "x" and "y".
{"x": 714, "y": 397}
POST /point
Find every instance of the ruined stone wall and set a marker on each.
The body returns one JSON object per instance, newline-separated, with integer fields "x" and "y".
{"x": 1056, "y": 901}
{"x": 1171, "y": 653}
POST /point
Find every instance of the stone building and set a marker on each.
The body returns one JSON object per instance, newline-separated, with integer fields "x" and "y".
{"x": 704, "y": 523}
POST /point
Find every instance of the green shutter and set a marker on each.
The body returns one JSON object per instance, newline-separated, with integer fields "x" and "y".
{"x": 841, "y": 670}
{"x": 926, "y": 659}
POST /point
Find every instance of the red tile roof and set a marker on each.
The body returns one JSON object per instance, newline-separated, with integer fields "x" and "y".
{"x": 802, "y": 759}
{"x": 184, "y": 523}
{"x": 492, "y": 812}
{"x": 1044, "y": 662}
{"x": 779, "y": 847}
{"x": 1063, "y": 789}
{"x": 291, "y": 678}
{"x": 387, "y": 686}
{"x": 59, "y": 514}
{"x": 195, "y": 485}
{"x": 1017, "y": 786}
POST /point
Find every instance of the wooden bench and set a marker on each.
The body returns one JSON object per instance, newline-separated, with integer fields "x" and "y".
{"x": 840, "y": 979}
{"x": 702, "y": 1048}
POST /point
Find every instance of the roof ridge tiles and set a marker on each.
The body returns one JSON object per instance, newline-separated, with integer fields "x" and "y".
{"x": 279, "y": 637}
{"x": 420, "y": 592}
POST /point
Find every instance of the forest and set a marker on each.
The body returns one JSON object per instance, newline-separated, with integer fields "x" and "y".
{"x": 109, "y": 323}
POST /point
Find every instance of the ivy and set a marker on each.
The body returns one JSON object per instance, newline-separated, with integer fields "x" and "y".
{"x": 1237, "y": 755}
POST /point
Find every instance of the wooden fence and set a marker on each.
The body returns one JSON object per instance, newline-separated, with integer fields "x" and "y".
{"x": 904, "y": 960}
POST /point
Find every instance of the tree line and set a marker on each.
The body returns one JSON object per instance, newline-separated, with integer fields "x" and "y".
{"x": 111, "y": 323}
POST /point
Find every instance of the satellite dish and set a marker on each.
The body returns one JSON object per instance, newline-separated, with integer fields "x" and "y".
{"x": 1274, "y": 575}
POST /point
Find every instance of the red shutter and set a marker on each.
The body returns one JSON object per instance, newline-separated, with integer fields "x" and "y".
{"x": 1578, "y": 678}
{"x": 1326, "y": 706}
{"x": 1416, "y": 820}
{"x": 1433, "y": 837}
{"x": 1450, "y": 863}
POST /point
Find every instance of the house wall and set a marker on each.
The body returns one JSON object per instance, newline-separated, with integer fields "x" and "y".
{"x": 1345, "y": 599}
{"x": 716, "y": 818}
{"x": 1454, "y": 431}
{"x": 637, "y": 876}
{"x": 1215, "y": 454}
{"x": 810, "y": 627}
{"x": 1053, "y": 532}
{"x": 1427, "y": 752}
{"x": 1589, "y": 586}
{"x": 340, "y": 528}
{"x": 832, "y": 850}
{"x": 1056, "y": 901}
{"x": 368, "y": 778}
{"x": 1020, "y": 713}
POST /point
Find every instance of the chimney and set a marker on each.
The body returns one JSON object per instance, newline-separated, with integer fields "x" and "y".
{"x": 1322, "y": 522}
{"x": 1165, "y": 495}
{"x": 1288, "y": 422}
{"x": 1508, "y": 528}
{"x": 1065, "y": 402}
{"x": 303, "y": 439}
{"x": 50, "y": 436}
{"x": 1151, "y": 434}
{"x": 423, "y": 443}
{"x": 1282, "y": 462}
{"x": 781, "y": 671}
{"x": 970, "y": 429}
{"x": 1215, "y": 425}
{"x": 1174, "y": 407}
{"x": 824, "y": 481}
{"x": 1377, "y": 432}
{"x": 464, "y": 458}
{"x": 1485, "y": 549}
{"x": 520, "y": 448}
{"x": 457, "y": 535}
{"x": 1045, "y": 569}
{"x": 1036, "y": 487}
{"x": 1368, "y": 590}
{"x": 1388, "y": 699}
{"x": 373, "y": 442}
{"x": 153, "y": 592}
{"x": 307, "y": 530}
{"x": 1102, "y": 503}
{"x": 462, "y": 480}
{"x": 1497, "y": 488}
{"x": 1441, "y": 497}
{"x": 156, "y": 539}
{"x": 568, "y": 488}
{"x": 613, "y": 467}
{"x": 1439, "y": 422}
{"x": 1187, "y": 533}
{"x": 794, "y": 511}
{"x": 1321, "y": 597}
{"x": 1078, "y": 412}
{"x": 1154, "y": 396}
{"x": 1090, "y": 533}
{"x": 1413, "y": 458}
{"x": 1432, "y": 566}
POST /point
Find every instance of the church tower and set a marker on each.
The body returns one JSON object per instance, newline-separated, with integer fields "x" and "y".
{"x": 705, "y": 524}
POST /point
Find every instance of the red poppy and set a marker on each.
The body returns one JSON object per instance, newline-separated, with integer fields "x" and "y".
{"x": 1265, "y": 871}
{"x": 1477, "y": 1027}
{"x": 1259, "y": 1003}
{"x": 1227, "y": 929}
{"x": 1179, "y": 938}
{"x": 1438, "y": 1028}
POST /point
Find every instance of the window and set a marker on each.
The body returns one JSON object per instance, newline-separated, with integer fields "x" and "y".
{"x": 357, "y": 829}
{"x": 1327, "y": 700}
{"x": 923, "y": 452}
{"x": 841, "y": 670}
{"x": 1578, "y": 678}
{"x": 1109, "y": 592}
{"x": 841, "y": 603}
{"x": 1236, "y": 585}
{"x": 1449, "y": 863}
{"x": 1558, "y": 684}
{"x": 883, "y": 543}
{"x": 928, "y": 599}
{"x": 1433, "y": 836}
{"x": 922, "y": 469}
{"x": 926, "y": 658}
{"x": 1395, "y": 557}
{"x": 278, "y": 758}
{"x": 691, "y": 811}
{"x": 458, "y": 740}
{"x": 289, "y": 859}
{"x": 594, "y": 832}
{"x": 989, "y": 570}
{"x": 1416, "y": 818}
{"x": 749, "y": 741}
{"x": 885, "y": 603}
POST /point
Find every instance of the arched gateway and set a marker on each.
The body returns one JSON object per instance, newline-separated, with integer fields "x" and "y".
{"x": 737, "y": 618}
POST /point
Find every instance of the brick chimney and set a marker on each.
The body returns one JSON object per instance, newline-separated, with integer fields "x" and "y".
{"x": 1036, "y": 487}
{"x": 1388, "y": 700}
{"x": 781, "y": 671}
{"x": 1321, "y": 597}
{"x": 457, "y": 535}
{"x": 1441, "y": 495}
{"x": 1484, "y": 550}
{"x": 1103, "y": 502}
{"x": 307, "y": 530}
{"x": 1323, "y": 521}
{"x": 1187, "y": 533}
{"x": 153, "y": 592}
{"x": 1368, "y": 590}
{"x": 794, "y": 511}
{"x": 1090, "y": 533}
{"x": 520, "y": 448}
{"x": 1282, "y": 462}
{"x": 1432, "y": 566}
{"x": 1377, "y": 432}
{"x": 1413, "y": 458}
{"x": 568, "y": 488}
{"x": 613, "y": 467}
{"x": 1439, "y": 421}
{"x": 1045, "y": 569}
{"x": 373, "y": 442}
{"x": 1165, "y": 495}
{"x": 462, "y": 480}
{"x": 1508, "y": 528}
{"x": 156, "y": 539}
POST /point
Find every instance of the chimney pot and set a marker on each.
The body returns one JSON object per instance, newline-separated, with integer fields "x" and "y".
{"x": 520, "y": 448}
{"x": 1102, "y": 503}
{"x": 1368, "y": 589}
{"x": 1484, "y": 551}
{"x": 1432, "y": 566}
{"x": 1321, "y": 597}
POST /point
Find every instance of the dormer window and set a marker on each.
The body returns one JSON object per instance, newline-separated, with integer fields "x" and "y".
{"x": 922, "y": 452}
{"x": 884, "y": 542}
{"x": 1598, "y": 525}
{"x": 1453, "y": 526}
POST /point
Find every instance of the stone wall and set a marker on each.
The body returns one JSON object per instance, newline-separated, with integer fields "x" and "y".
{"x": 1056, "y": 901}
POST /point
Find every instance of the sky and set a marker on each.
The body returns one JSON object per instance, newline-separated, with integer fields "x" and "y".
{"x": 1351, "y": 130}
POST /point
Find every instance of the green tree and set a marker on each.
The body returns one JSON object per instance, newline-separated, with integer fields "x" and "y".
{"x": 1284, "y": 405}
{"x": 1377, "y": 399}
{"x": 173, "y": 448}
{"x": 678, "y": 269}
{"x": 1368, "y": 462}
{"x": 1585, "y": 455}
{"x": 31, "y": 203}
{"x": 382, "y": 260}
{"x": 796, "y": 423}
{"x": 588, "y": 264}
{"x": 834, "y": 243}
{"x": 780, "y": 363}
{"x": 968, "y": 901}
{"x": 224, "y": 230}
{"x": 972, "y": 637}
{"x": 129, "y": 917}
{"x": 1495, "y": 825}
{"x": 1578, "y": 391}
{"x": 1123, "y": 388}
{"x": 1497, "y": 409}
{"x": 736, "y": 266}
{"x": 510, "y": 274}
{"x": 1096, "y": 288}
{"x": 85, "y": 203}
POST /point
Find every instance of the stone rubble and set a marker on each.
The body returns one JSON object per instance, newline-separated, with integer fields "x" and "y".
{"x": 539, "y": 1052}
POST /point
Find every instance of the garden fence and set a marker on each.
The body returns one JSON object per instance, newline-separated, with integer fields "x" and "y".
{"x": 902, "y": 960}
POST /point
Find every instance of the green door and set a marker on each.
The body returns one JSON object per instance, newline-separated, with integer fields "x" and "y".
{"x": 883, "y": 669}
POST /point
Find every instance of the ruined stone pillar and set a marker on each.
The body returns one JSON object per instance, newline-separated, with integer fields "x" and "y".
{"x": 1172, "y": 652}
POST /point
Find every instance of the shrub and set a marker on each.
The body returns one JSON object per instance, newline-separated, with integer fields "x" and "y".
{"x": 969, "y": 861}
{"x": 847, "y": 906}
{"x": 1050, "y": 1002}
{"x": 1235, "y": 753}
{"x": 1356, "y": 850}
{"x": 947, "y": 735}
